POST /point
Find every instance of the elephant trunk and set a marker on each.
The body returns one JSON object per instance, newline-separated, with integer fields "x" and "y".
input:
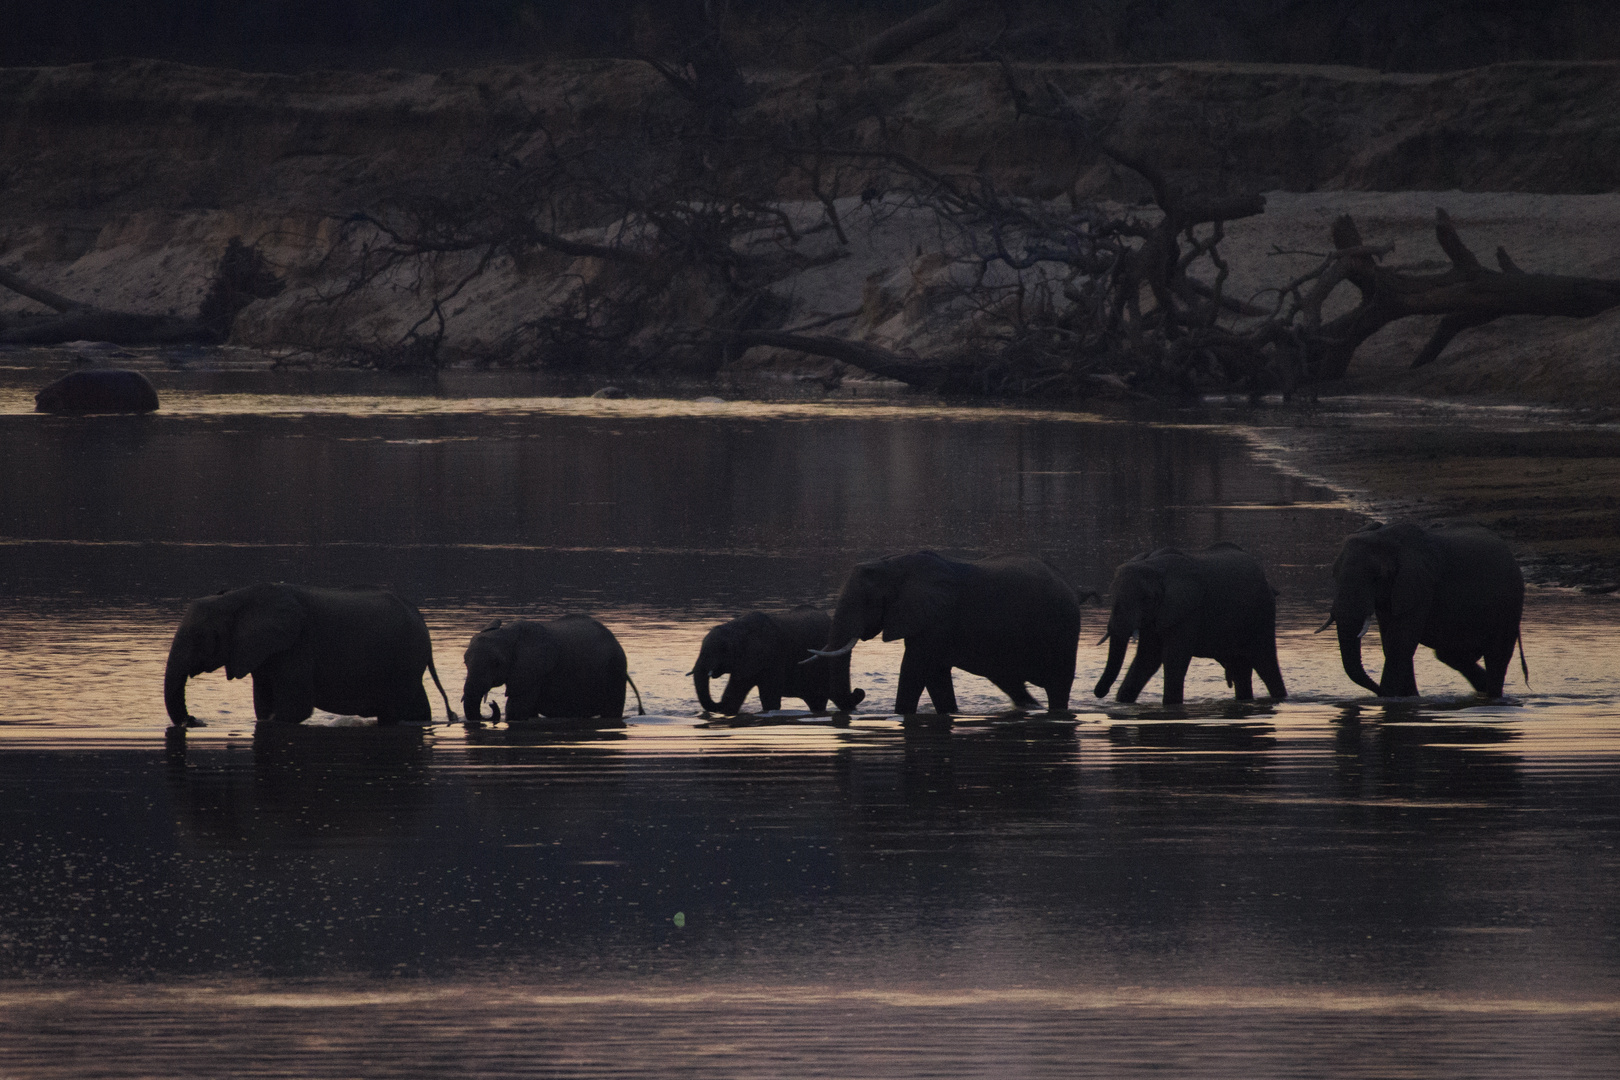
{"x": 1350, "y": 652}
{"x": 846, "y": 631}
{"x": 700, "y": 683}
{"x": 174, "y": 693}
{"x": 1117, "y": 643}
{"x": 472, "y": 704}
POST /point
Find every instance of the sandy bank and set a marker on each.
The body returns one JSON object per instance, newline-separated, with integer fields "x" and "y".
{"x": 124, "y": 180}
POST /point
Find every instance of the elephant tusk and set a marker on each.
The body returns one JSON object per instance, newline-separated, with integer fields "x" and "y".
{"x": 689, "y": 674}
{"x": 1325, "y": 625}
{"x": 1365, "y": 626}
{"x": 830, "y": 653}
{"x": 1106, "y": 635}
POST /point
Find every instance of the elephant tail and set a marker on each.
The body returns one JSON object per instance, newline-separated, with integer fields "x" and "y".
{"x": 451, "y": 712}
{"x": 639, "y": 710}
{"x": 1523, "y": 667}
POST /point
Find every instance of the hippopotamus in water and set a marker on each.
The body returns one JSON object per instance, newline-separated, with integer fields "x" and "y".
{"x": 99, "y": 391}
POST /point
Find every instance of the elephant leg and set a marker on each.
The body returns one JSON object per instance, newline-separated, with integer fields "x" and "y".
{"x": 731, "y": 702}
{"x": 1175, "y": 675}
{"x": 1057, "y": 694}
{"x": 264, "y": 704}
{"x": 1270, "y": 674}
{"x": 942, "y": 690}
{"x": 816, "y": 703}
{"x": 410, "y": 707}
{"x": 521, "y": 706}
{"x": 294, "y": 701}
{"x": 1399, "y": 678}
{"x": 613, "y": 702}
{"x": 1149, "y": 655}
{"x": 909, "y": 692}
{"x": 1015, "y": 689}
{"x": 770, "y": 696}
{"x": 1468, "y": 666}
{"x": 1240, "y": 677}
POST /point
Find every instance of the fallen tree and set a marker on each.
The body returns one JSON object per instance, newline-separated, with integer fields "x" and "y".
{"x": 1467, "y": 295}
{"x": 240, "y": 278}
{"x": 671, "y": 248}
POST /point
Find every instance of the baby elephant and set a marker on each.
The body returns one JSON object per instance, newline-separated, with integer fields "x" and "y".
{"x": 1181, "y": 604}
{"x": 572, "y": 666}
{"x": 765, "y": 651}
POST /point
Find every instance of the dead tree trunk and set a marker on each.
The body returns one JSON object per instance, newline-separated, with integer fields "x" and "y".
{"x": 1467, "y": 295}
{"x": 241, "y": 278}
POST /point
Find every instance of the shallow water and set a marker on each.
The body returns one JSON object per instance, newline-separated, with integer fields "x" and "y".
{"x": 1333, "y": 886}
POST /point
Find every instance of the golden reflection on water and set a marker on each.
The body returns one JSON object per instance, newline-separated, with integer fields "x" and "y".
{"x": 1332, "y": 885}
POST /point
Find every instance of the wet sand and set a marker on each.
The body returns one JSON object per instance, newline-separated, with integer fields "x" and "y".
{"x": 1548, "y": 481}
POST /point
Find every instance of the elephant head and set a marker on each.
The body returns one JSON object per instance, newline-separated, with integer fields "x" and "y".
{"x": 1386, "y": 570}
{"x": 238, "y": 630}
{"x": 741, "y": 648}
{"x": 903, "y": 596}
{"x": 1148, "y": 599}
{"x": 495, "y": 653}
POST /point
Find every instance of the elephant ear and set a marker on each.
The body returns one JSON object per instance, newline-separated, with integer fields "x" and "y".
{"x": 535, "y": 656}
{"x": 924, "y": 602}
{"x": 764, "y": 641}
{"x": 1412, "y": 588}
{"x": 263, "y": 627}
{"x": 1182, "y": 596}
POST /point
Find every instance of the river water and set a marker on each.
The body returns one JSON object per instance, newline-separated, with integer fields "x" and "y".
{"x": 1334, "y": 886}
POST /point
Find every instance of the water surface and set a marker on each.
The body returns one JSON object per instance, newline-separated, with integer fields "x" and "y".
{"x": 1334, "y": 886}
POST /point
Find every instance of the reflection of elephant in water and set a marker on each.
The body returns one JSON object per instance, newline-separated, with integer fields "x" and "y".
{"x": 102, "y": 390}
{"x": 358, "y": 651}
{"x": 1008, "y": 618}
{"x": 1456, "y": 589}
{"x": 569, "y": 667}
{"x": 1181, "y": 604}
{"x": 764, "y": 651}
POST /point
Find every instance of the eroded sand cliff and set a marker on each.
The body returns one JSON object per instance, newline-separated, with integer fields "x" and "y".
{"x": 123, "y": 181}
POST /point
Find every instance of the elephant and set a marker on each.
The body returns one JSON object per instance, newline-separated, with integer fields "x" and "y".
{"x": 102, "y": 390}
{"x": 572, "y": 666}
{"x": 358, "y": 651}
{"x": 1009, "y": 618}
{"x": 1455, "y": 588}
{"x": 764, "y": 651}
{"x": 1214, "y": 603}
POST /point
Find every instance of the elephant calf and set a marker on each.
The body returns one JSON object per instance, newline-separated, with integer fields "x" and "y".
{"x": 1214, "y": 603}
{"x": 358, "y": 651}
{"x": 765, "y": 651}
{"x": 1454, "y": 588}
{"x": 572, "y": 667}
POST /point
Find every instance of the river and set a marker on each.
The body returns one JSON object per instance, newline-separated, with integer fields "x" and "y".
{"x": 1332, "y": 886}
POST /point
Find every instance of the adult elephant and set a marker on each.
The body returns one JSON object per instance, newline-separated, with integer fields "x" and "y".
{"x": 101, "y": 390}
{"x": 1214, "y": 603}
{"x": 764, "y": 651}
{"x": 358, "y": 651}
{"x": 1455, "y": 588}
{"x": 1010, "y": 618}
{"x": 569, "y": 667}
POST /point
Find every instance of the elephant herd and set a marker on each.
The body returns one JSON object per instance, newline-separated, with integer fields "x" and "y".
{"x": 1011, "y": 619}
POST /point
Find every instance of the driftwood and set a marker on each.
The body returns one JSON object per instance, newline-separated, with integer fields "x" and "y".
{"x": 1467, "y": 295}
{"x": 241, "y": 278}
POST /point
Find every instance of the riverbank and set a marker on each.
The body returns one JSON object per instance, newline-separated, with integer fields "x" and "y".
{"x": 1547, "y": 480}
{"x": 126, "y": 180}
